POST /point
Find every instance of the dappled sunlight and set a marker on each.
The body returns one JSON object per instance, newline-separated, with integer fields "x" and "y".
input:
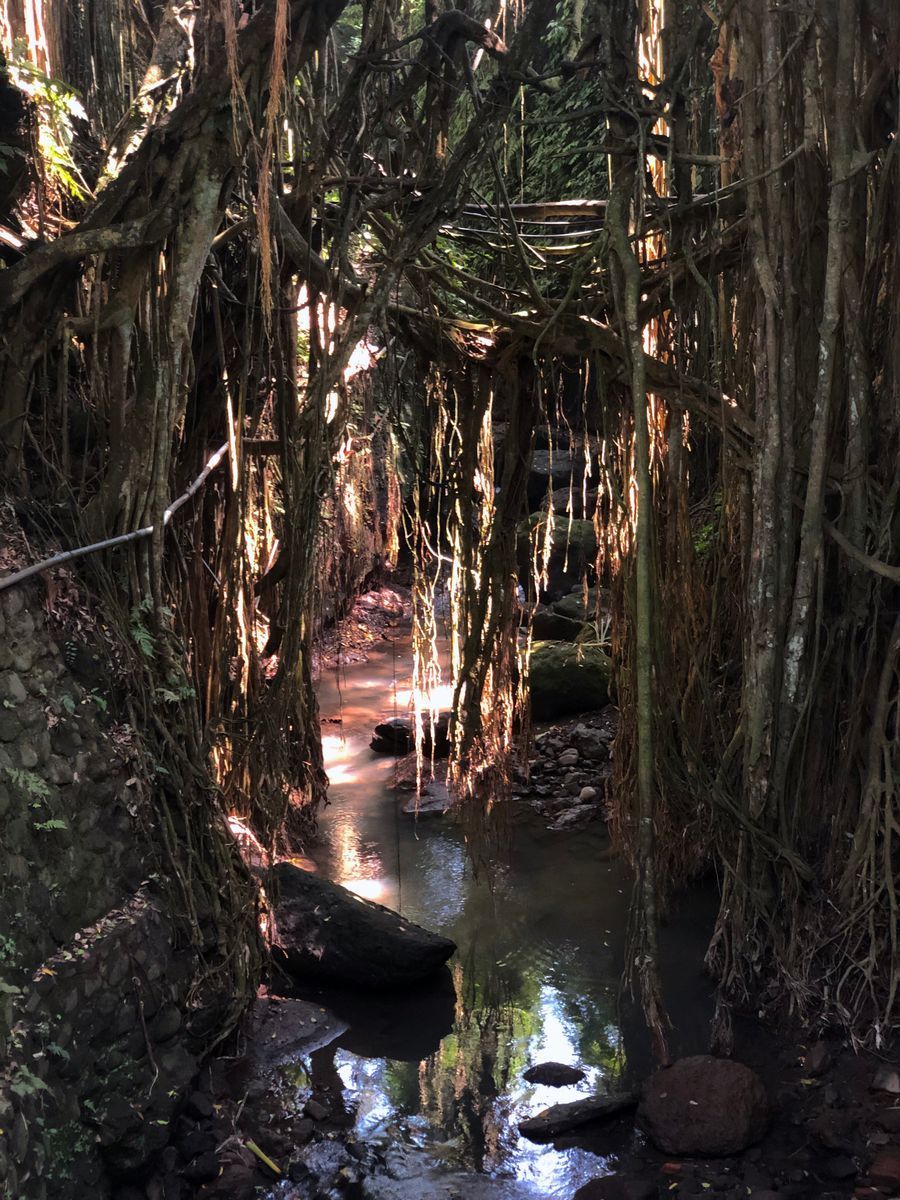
{"x": 436, "y": 699}
{"x": 252, "y": 850}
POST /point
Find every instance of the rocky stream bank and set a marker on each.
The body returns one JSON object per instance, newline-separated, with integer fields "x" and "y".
{"x": 275, "y": 1117}
{"x": 290, "y": 1109}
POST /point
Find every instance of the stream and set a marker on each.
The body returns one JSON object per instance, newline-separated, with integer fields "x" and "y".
{"x": 536, "y": 977}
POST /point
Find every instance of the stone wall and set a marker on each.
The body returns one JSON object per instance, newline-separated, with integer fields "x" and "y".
{"x": 99, "y": 1058}
{"x": 98, "y": 1036}
{"x": 69, "y": 850}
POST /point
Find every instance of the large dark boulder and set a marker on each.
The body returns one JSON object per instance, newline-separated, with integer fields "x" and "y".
{"x": 547, "y": 625}
{"x": 565, "y": 678}
{"x": 552, "y": 470}
{"x": 704, "y": 1105}
{"x": 324, "y": 932}
{"x": 574, "y": 607}
{"x": 573, "y": 552}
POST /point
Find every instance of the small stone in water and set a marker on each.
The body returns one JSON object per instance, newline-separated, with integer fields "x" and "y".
{"x": 577, "y": 814}
{"x": 553, "y": 1074}
{"x": 314, "y": 1109}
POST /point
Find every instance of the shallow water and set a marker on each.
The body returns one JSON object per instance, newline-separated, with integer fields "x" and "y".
{"x": 536, "y": 976}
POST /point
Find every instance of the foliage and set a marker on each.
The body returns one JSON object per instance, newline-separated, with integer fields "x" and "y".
{"x": 30, "y": 784}
{"x": 25, "y": 1083}
{"x": 59, "y": 108}
{"x": 7, "y": 152}
{"x": 142, "y": 636}
{"x": 560, "y": 153}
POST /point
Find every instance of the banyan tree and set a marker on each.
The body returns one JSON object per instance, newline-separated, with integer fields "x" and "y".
{"x": 258, "y": 257}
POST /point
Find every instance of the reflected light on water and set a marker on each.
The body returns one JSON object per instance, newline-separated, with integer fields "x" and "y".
{"x": 531, "y": 978}
{"x": 368, "y": 889}
{"x": 357, "y": 865}
{"x": 438, "y": 698}
{"x": 339, "y": 754}
{"x": 557, "y": 1039}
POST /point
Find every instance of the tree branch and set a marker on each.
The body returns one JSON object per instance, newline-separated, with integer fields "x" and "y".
{"x": 57, "y": 560}
{"x": 15, "y": 282}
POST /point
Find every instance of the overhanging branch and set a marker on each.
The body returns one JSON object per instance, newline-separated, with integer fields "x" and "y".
{"x": 57, "y": 560}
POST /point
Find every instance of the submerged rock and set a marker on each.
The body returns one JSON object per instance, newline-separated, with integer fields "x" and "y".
{"x": 567, "y": 679}
{"x": 560, "y": 1118}
{"x": 704, "y": 1105}
{"x": 435, "y": 801}
{"x": 324, "y": 932}
{"x": 575, "y": 817}
{"x": 553, "y": 1074}
{"x": 617, "y": 1187}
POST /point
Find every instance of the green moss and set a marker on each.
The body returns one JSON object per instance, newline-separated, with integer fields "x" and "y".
{"x": 567, "y": 678}
{"x": 576, "y": 536}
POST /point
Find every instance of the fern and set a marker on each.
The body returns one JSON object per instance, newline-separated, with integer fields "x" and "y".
{"x": 139, "y": 631}
{"x": 29, "y": 783}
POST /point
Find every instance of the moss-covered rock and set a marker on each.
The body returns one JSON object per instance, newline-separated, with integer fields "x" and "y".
{"x": 567, "y": 678}
{"x": 573, "y": 551}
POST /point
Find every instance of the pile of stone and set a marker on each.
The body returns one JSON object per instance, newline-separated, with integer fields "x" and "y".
{"x": 570, "y": 770}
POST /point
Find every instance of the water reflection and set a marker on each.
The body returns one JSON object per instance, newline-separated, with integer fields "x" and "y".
{"x": 536, "y": 977}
